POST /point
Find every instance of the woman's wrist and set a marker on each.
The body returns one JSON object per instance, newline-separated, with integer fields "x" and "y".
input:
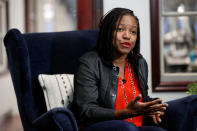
{"x": 122, "y": 114}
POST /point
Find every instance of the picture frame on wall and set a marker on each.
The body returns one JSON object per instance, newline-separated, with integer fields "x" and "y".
{"x": 62, "y": 15}
{"x": 173, "y": 44}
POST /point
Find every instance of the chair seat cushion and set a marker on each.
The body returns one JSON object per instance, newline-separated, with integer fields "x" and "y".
{"x": 58, "y": 89}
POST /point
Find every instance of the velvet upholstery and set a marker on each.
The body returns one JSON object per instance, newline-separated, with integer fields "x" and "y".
{"x": 56, "y": 53}
{"x": 181, "y": 114}
{"x": 41, "y": 53}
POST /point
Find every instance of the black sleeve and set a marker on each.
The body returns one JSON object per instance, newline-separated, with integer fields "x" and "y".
{"x": 143, "y": 72}
{"x": 86, "y": 84}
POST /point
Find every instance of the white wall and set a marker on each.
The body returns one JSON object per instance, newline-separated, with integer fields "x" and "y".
{"x": 7, "y": 95}
{"x": 141, "y": 9}
{"x": 16, "y": 14}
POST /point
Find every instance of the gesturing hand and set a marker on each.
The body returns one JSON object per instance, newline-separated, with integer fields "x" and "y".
{"x": 154, "y": 107}
{"x": 135, "y": 108}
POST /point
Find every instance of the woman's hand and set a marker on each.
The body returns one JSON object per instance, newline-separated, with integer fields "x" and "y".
{"x": 135, "y": 108}
{"x": 149, "y": 108}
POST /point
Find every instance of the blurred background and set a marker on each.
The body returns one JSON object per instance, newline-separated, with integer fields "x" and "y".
{"x": 178, "y": 38}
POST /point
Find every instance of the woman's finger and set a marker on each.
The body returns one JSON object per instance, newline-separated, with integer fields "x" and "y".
{"x": 158, "y": 118}
{"x": 136, "y": 99}
{"x": 161, "y": 109}
{"x": 150, "y": 103}
{"x": 154, "y": 119}
{"x": 161, "y": 113}
{"x": 157, "y": 107}
{"x": 152, "y": 111}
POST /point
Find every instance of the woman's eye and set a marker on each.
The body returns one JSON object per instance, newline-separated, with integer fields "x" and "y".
{"x": 119, "y": 29}
{"x": 133, "y": 32}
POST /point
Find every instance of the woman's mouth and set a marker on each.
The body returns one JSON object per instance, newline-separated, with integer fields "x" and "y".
{"x": 126, "y": 44}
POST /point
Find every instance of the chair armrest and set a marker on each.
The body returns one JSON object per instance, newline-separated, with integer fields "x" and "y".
{"x": 60, "y": 119}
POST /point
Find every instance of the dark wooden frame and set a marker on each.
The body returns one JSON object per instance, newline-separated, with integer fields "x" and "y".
{"x": 157, "y": 84}
{"x": 97, "y": 12}
{"x": 26, "y": 16}
{"x": 89, "y": 13}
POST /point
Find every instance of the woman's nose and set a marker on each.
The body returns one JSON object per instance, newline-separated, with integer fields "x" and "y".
{"x": 126, "y": 35}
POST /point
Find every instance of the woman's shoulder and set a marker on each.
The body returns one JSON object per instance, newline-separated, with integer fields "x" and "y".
{"x": 141, "y": 58}
{"x": 90, "y": 56}
{"x": 142, "y": 62}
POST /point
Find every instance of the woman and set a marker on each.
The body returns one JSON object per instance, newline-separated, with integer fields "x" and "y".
{"x": 111, "y": 81}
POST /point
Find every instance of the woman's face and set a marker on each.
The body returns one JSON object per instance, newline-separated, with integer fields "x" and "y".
{"x": 125, "y": 35}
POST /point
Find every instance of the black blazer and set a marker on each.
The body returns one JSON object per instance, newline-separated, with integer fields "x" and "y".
{"x": 95, "y": 87}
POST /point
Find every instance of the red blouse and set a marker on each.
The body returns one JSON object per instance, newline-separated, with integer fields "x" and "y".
{"x": 126, "y": 93}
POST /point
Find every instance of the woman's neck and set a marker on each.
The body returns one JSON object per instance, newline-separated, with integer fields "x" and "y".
{"x": 119, "y": 61}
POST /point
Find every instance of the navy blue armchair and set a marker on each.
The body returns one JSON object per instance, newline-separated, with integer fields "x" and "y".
{"x": 43, "y": 53}
{"x": 55, "y": 53}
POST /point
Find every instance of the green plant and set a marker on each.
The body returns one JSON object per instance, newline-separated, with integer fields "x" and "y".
{"x": 192, "y": 88}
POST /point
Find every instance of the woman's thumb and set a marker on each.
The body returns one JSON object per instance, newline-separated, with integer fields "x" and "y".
{"x": 137, "y": 98}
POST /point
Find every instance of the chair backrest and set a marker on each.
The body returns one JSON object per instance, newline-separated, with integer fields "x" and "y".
{"x": 42, "y": 53}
